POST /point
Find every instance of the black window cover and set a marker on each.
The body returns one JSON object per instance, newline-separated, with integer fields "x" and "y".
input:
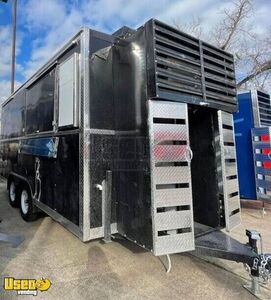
{"x": 13, "y": 117}
{"x": 40, "y": 104}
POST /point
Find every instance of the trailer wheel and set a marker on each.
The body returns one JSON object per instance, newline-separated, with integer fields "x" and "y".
{"x": 26, "y": 205}
{"x": 13, "y": 194}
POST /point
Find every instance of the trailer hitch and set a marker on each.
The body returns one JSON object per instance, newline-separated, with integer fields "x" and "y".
{"x": 260, "y": 268}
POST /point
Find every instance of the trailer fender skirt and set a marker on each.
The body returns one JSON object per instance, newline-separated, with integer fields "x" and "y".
{"x": 44, "y": 147}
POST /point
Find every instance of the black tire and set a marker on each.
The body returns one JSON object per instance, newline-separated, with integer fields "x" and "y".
{"x": 26, "y": 205}
{"x": 13, "y": 194}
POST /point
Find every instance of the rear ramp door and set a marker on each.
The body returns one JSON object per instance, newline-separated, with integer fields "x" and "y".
{"x": 171, "y": 190}
{"x": 228, "y": 185}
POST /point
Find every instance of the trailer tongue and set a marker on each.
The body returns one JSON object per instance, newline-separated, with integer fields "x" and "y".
{"x": 215, "y": 243}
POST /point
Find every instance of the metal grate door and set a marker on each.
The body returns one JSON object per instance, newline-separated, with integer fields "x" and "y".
{"x": 228, "y": 185}
{"x": 186, "y": 66}
{"x": 172, "y": 207}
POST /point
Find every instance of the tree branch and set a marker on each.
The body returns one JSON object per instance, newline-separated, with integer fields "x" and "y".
{"x": 235, "y": 18}
{"x": 264, "y": 67}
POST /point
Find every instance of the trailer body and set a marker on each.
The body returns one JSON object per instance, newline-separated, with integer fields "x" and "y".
{"x": 153, "y": 106}
{"x": 49, "y": 119}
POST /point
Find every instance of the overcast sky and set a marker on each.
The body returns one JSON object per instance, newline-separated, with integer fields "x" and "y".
{"x": 44, "y": 25}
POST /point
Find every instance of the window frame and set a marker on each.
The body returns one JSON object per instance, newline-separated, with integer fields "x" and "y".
{"x": 75, "y": 123}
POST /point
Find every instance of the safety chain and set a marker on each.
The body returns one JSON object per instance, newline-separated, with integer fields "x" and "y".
{"x": 265, "y": 267}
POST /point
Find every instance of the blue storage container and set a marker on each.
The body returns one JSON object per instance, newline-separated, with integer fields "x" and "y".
{"x": 254, "y": 111}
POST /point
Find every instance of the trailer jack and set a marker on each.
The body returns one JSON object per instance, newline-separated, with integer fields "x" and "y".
{"x": 260, "y": 271}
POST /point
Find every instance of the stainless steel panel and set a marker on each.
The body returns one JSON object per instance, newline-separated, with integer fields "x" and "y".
{"x": 227, "y": 119}
{"x": 255, "y": 108}
{"x": 230, "y": 169}
{"x": 84, "y": 167}
{"x": 98, "y": 232}
{"x": 169, "y": 153}
{"x": 163, "y": 109}
{"x": 234, "y": 203}
{"x": 235, "y": 220}
{"x": 172, "y": 197}
{"x": 173, "y": 175}
{"x": 171, "y": 219}
{"x": 174, "y": 243}
{"x": 227, "y": 136}
{"x": 232, "y": 186}
{"x": 169, "y": 132}
{"x": 229, "y": 152}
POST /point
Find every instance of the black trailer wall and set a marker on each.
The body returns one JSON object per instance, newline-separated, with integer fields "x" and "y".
{"x": 203, "y": 126}
{"x": 27, "y": 119}
{"x": 101, "y": 98}
{"x": 132, "y": 163}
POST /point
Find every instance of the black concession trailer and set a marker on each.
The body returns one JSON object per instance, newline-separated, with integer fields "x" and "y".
{"x": 130, "y": 133}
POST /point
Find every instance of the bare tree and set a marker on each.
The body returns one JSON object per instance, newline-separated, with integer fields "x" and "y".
{"x": 232, "y": 23}
{"x": 194, "y": 27}
{"x": 259, "y": 59}
{"x": 233, "y": 33}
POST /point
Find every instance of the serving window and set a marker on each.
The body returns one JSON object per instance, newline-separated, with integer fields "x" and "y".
{"x": 40, "y": 104}
{"x": 13, "y": 117}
